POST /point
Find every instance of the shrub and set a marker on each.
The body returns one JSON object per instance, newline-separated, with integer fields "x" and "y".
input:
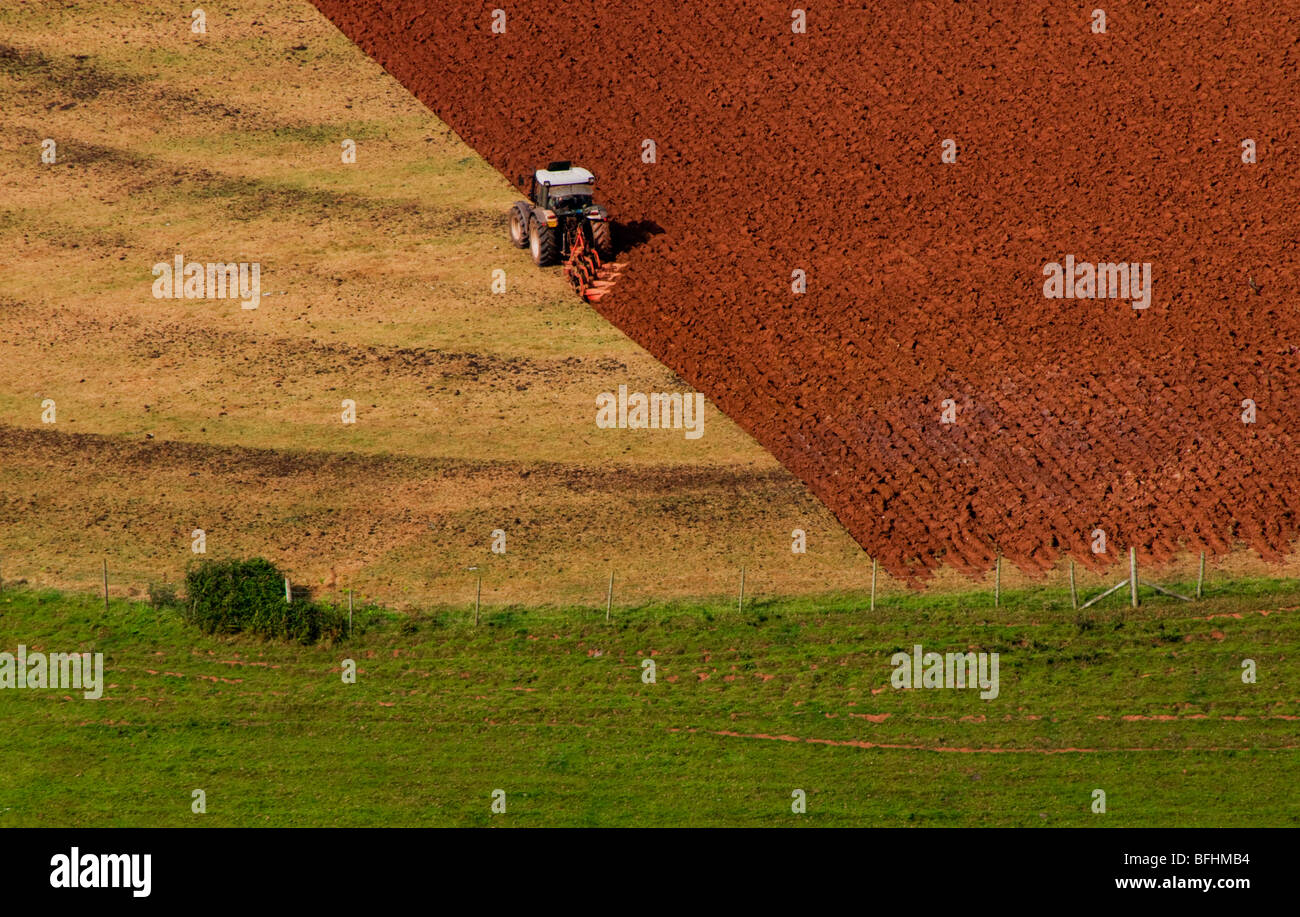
{"x": 234, "y": 596}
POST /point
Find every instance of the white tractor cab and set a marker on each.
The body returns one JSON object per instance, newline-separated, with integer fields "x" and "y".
{"x": 560, "y": 206}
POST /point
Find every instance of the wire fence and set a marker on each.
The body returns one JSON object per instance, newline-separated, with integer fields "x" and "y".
{"x": 738, "y": 587}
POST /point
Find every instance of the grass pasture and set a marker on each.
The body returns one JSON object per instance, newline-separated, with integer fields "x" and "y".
{"x": 548, "y": 704}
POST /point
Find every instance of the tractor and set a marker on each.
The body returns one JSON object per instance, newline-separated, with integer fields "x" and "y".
{"x": 560, "y": 220}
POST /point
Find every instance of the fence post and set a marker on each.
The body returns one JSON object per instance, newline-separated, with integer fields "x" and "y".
{"x": 740, "y": 606}
{"x": 873, "y": 584}
{"x": 1074, "y": 592}
{"x": 997, "y": 581}
{"x": 288, "y": 593}
{"x": 478, "y": 596}
{"x": 1133, "y": 576}
{"x": 1200, "y": 577}
{"x": 106, "y": 585}
{"x": 609, "y": 596}
{"x": 349, "y": 612}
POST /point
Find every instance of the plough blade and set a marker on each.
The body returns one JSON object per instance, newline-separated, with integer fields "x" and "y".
{"x": 603, "y": 285}
{"x": 590, "y": 278}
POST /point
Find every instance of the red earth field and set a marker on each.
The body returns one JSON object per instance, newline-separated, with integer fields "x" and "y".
{"x": 821, "y": 151}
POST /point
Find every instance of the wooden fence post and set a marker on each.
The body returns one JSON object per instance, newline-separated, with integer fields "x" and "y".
{"x": 1133, "y": 576}
{"x": 873, "y": 584}
{"x": 1074, "y": 592}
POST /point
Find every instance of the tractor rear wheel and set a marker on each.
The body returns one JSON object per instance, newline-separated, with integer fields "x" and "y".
{"x": 519, "y": 226}
{"x": 544, "y": 242}
{"x": 602, "y": 235}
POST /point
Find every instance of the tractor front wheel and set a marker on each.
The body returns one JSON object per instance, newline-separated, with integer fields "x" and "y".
{"x": 519, "y": 226}
{"x": 544, "y": 242}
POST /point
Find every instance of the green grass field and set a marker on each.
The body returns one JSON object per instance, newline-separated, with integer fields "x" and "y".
{"x": 548, "y": 705}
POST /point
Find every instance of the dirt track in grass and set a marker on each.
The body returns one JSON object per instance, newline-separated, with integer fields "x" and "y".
{"x": 821, "y": 152}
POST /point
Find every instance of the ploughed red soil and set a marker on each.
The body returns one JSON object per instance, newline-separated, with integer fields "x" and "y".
{"x": 822, "y": 152}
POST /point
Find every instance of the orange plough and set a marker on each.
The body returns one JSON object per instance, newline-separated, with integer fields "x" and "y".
{"x": 591, "y": 278}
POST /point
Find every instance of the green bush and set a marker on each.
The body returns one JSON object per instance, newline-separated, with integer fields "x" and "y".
{"x": 247, "y": 596}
